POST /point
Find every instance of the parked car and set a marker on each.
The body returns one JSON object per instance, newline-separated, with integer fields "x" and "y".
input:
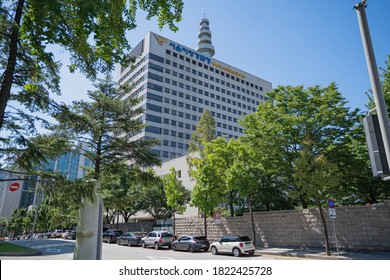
{"x": 157, "y": 239}
{"x": 191, "y": 243}
{"x": 130, "y": 238}
{"x": 70, "y": 234}
{"x": 111, "y": 235}
{"x": 57, "y": 233}
{"x": 65, "y": 233}
{"x": 236, "y": 245}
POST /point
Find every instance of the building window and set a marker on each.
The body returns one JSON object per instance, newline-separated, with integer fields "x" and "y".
{"x": 156, "y": 57}
{"x": 153, "y": 118}
{"x": 153, "y": 107}
{"x": 153, "y": 129}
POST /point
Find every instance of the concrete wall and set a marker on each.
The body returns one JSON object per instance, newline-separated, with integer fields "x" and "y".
{"x": 363, "y": 228}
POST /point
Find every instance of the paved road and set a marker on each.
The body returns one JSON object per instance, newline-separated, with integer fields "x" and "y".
{"x": 63, "y": 250}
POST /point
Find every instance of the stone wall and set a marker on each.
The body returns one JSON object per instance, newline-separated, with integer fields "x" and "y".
{"x": 132, "y": 227}
{"x": 363, "y": 228}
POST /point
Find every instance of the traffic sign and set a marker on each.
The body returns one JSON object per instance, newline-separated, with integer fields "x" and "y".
{"x": 217, "y": 217}
{"x": 330, "y": 203}
{"x": 332, "y": 213}
{"x": 14, "y": 187}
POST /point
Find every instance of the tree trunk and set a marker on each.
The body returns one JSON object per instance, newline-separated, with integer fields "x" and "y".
{"x": 303, "y": 202}
{"x": 327, "y": 250}
{"x": 174, "y": 225}
{"x": 231, "y": 204}
{"x": 8, "y": 75}
{"x": 252, "y": 220}
{"x": 205, "y": 224}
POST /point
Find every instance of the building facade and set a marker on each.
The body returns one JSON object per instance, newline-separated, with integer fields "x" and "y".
{"x": 73, "y": 165}
{"x": 178, "y": 83}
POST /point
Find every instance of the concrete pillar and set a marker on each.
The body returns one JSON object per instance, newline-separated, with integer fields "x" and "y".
{"x": 90, "y": 229}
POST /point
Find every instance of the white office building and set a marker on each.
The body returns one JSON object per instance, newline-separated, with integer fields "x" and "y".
{"x": 178, "y": 83}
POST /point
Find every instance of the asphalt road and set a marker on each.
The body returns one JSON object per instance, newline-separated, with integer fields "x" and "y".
{"x": 58, "y": 249}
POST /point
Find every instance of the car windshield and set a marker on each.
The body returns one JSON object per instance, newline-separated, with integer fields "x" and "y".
{"x": 244, "y": 238}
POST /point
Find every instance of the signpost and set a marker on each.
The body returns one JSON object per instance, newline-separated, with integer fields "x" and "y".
{"x": 14, "y": 187}
{"x": 217, "y": 218}
{"x": 333, "y": 216}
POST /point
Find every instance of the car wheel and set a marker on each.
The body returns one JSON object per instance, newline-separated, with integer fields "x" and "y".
{"x": 236, "y": 252}
{"x": 143, "y": 244}
{"x": 190, "y": 249}
{"x": 156, "y": 246}
{"x": 206, "y": 249}
{"x": 214, "y": 251}
{"x": 174, "y": 247}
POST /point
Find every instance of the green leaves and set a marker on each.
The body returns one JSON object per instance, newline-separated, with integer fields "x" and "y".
{"x": 176, "y": 194}
{"x": 105, "y": 126}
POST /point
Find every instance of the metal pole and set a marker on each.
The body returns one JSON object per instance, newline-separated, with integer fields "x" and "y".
{"x": 335, "y": 237}
{"x": 379, "y": 98}
{"x": 35, "y": 207}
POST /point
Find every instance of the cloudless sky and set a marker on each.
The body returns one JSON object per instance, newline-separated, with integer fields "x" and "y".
{"x": 304, "y": 42}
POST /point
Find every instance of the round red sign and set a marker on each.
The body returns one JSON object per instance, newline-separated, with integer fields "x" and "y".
{"x": 14, "y": 187}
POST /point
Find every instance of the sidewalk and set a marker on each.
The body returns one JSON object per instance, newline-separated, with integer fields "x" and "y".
{"x": 320, "y": 254}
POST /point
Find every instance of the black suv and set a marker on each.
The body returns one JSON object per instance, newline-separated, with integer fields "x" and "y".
{"x": 111, "y": 235}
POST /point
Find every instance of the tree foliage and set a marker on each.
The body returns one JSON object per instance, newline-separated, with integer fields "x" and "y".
{"x": 280, "y": 127}
{"x": 101, "y": 129}
{"x": 92, "y": 32}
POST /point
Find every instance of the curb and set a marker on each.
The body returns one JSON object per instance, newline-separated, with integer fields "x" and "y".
{"x": 303, "y": 255}
{"x": 14, "y": 254}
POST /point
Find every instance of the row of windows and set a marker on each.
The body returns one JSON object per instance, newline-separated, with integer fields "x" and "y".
{"x": 180, "y": 124}
{"x": 173, "y": 112}
{"x": 212, "y": 86}
{"x": 204, "y": 101}
{"x": 212, "y": 69}
{"x": 133, "y": 67}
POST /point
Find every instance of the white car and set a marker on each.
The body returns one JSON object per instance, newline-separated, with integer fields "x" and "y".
{"x": 236, "y": 245}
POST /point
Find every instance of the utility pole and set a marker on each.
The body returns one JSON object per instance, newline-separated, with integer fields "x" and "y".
{"x": 379, "y": 98}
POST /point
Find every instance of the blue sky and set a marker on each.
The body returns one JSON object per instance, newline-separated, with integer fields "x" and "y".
{"x": 305, "y": 42}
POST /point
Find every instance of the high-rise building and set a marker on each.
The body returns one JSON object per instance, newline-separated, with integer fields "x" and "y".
{"x": 178, "y": 83}
{"x": 73, "y": 165}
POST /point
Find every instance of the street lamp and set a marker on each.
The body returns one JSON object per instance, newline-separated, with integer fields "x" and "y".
{"x": 379, "y": 98}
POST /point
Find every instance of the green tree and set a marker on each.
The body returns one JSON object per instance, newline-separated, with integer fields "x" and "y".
{"x": 177, "y": 196}
{"x": 208, "y": 191}
{"x": 121, "y": 192}
{"x": 204, "y": 133}
{"x": 316, "y": 176}
{"x": 93, "y": 32}
{"x": 3, "y": 225}
{"x": 100, "y": 128}
{"x": 20, "y": 222}
{"x": 280, "y": 126}
{"x": 153, "y": 198}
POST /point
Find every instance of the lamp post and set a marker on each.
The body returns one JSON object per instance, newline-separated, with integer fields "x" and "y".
{"x": 379, "y": 98}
